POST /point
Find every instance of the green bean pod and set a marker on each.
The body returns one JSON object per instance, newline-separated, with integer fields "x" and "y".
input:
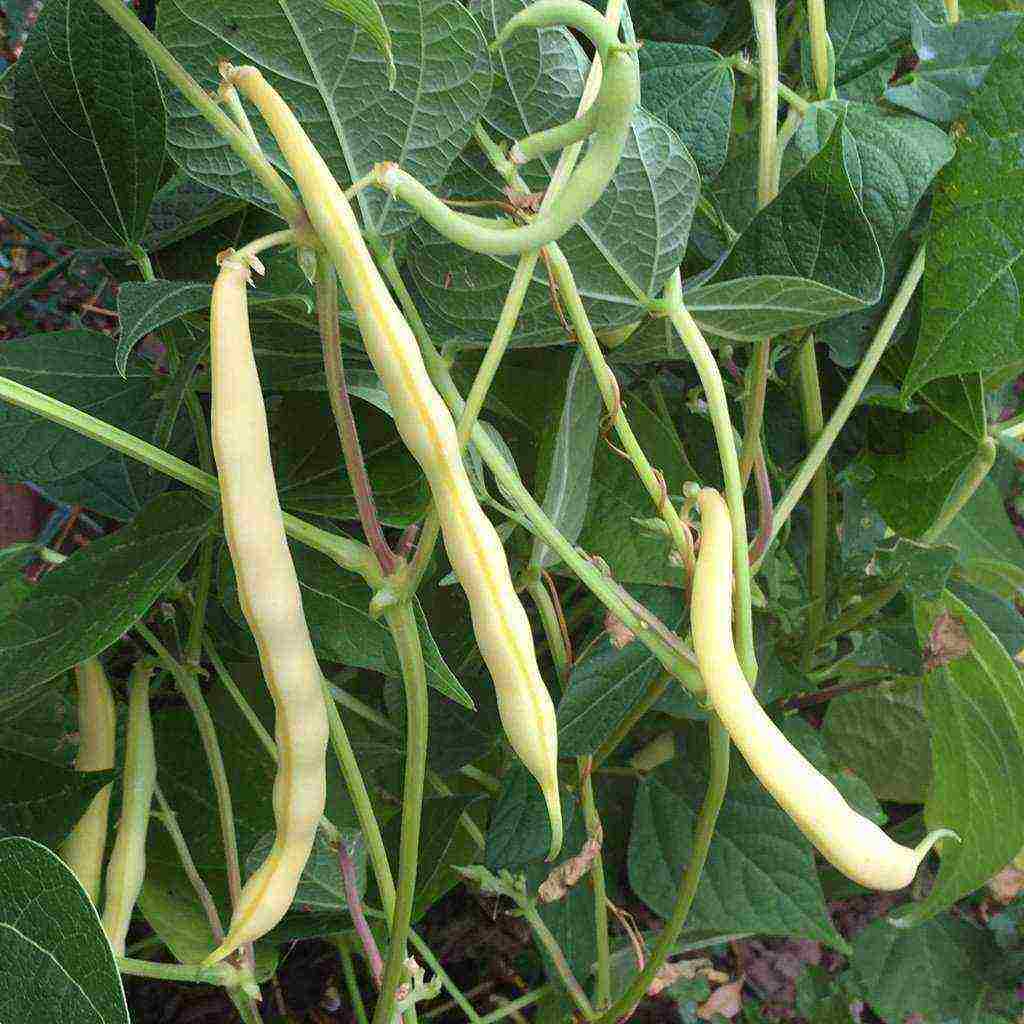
{"x": 268, "y": 590}
{"x": 606, "y": 123}
{"x": 426, "y": 426}
{"x": 82, "y": 851}
{"x": 126, "y": 869}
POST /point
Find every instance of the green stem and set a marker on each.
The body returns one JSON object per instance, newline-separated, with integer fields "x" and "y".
{"x": 592, "y": 821}
{"x": 718, "y": 408}
{"x": 197, "y": 624}
{"x": 349, "y": 554}
{"x": 402, "y": 623}
{"x": 753, "y": 415}
{"x": 360, "y": 798}
{"x": 250, "y": 153}
{"x": 791, "y": 96}
{"x": 625, "y": 727}
{"x": 854, "y": 390}
{"x": 970, "y": 480}
{"x": 451, "y": 988}
{"x": 515, "y": 1005}
{"x": 814, "y": 421}
{"x": 703, "y": 832}
{"x": 670, "y": 651}
{"x": 193, "y": 695}
{"x": 266, "y": 740}
{"x": 652, "y": 479}
{"x": 351, "y": 982}
{"x": 554, "y": 950}
{"x": 222, "y": 975}
{"x": 552, "y": 624}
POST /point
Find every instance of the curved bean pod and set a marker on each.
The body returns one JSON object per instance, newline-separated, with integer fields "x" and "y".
{"x": 268, "y": 590}
{"x": 126, "y": 869}
{"x": 82, "y": 851}
{"x": 607, "y": 123}
{"x": 855, "y": 846}
{"x": 426, "y": 426}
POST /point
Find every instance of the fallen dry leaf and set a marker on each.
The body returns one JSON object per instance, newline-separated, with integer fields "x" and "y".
{"x": 947, "y": 641}
{"x": 563, "y": 877}
{"x": 726, "y": 1001}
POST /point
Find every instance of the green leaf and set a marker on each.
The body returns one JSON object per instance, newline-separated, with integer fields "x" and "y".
{"x": 691, "y": 22}
{"x": 691, "y": 89}
{"x": 336, "y": 77}
{"x": 936, "y": 972}
{"x": 57, "y": 961}
{"x": 974, "y": 699}
{"x": 882, "y": 735}
{"x": 566, "y": 460}
{"x": 611, "y": 681}
{"x": 952, "y": 63}
{"x": 971, "y": 310}
{"x": 808, "y": 256}
{"x": 181, "y": 208}
{"x": 49, "y": 798}
{"x": 754, "y": 839}
{"x": 85, "y": 605}
{"x": 76, "y": 367}
{"x": 1002, "y": 617}
{"x": 83, "y": 89}
{"x": 891, "y": 160}
{"x": 19, "y": 194}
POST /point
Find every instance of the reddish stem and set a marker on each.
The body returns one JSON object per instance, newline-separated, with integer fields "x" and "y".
{"x": 355, "y": 909}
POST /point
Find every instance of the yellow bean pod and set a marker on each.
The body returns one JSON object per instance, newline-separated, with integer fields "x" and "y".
{"x": 426, "y": 426}
{"x": 82, "y": 851}
{"x": 852, "y": 844}
{"x": 268, "y": 590}
{"x": 126, "y": 869}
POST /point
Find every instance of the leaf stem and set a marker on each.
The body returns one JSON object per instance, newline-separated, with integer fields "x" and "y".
{"x": 592, "y": 821}
{"x": 814, "y": 420}
{"x": 552, "y": 623}
{"x": 348, "y": 553}
{"x": 854, "y": 390}
{"x": 427, "y": 955}
{"x": 402, "y": 623}
{"x": 751, "y": 70}
{"x": 341, "y": 406}
{"x": 702, "y": 835}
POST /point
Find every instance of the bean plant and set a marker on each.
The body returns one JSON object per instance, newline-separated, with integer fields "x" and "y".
{"x": 637, "y": 385}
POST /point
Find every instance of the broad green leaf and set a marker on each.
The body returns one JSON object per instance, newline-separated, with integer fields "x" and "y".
{"x": 19, "y": 194}
{"x": 49, "y": 798}
{"x": 611, "y": 681}
{"x": 57, "y": 961}
{"x": 85, "y": 605}
{"x": 971, "y": 308}
{"x": 90, "y": 120}
{"x": 937, "y": 972}
{"x": 1001, "y": 616}
{"x": 882, "y": 735}
{"x": 76, "y": 367}
{"x": 335, "y": 77}
{"x": 627, "y": 244}
{"x": 691, "y": 89}
{"x": 754, "y": 840}
{"x": 924, "y": 569}
{"x": 891, "y": 160}
{"x": 567, "y": 458}
{"x": 974, "y": 699}
{"x": 808, "y": 256}
{"x": 952, "y": 63}
{"x": 183, "y": 207}
{"x": 444, "y": 843}
{"x": 692, "y": 22}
